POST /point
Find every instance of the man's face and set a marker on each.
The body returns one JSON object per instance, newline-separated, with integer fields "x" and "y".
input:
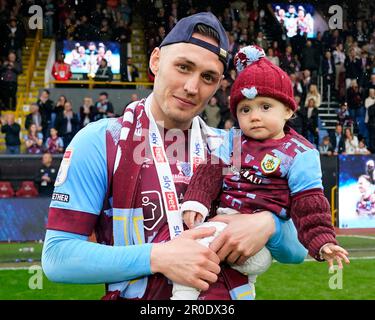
{"x": 186, "y": 77}
{"x": 339, "y": 129}
{"x": 10, "y": 118}
{"x": 102, "y": 98}
{"x": 44, "y": 95}
{"x": 47, "y": 159}
{"x": 12, "y": 57}
{"x": 68, "y": 106}
{"x": 34, "y": 108}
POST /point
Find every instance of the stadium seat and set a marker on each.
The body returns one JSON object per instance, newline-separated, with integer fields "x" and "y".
{"x": 6, "y": 189}
{"x": 27, "y": 189}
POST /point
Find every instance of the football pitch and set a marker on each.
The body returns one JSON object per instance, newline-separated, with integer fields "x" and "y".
{"x": 308, "y": 281}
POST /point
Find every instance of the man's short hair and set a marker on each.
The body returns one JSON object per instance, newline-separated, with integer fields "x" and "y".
{"x": 103, "y": 94}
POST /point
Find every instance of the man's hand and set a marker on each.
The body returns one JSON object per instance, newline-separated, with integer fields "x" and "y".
{"x": 244, "y": 236}
{"x": 185, "y": 261}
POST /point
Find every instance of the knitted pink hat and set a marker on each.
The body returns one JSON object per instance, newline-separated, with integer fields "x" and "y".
{"x": 257, "y": 76}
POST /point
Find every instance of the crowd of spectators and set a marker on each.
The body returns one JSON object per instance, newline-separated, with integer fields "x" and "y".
{"x": 51, "y": 126}
{"x": 342, "y": 62}
{"x": 336, "y": 66}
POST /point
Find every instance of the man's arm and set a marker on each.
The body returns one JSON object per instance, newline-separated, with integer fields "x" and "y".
{"x": 69, "y": 257}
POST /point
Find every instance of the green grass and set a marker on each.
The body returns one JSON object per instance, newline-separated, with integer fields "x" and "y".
{"x": 309, "y": 280}
{"x": 15, "y": 286}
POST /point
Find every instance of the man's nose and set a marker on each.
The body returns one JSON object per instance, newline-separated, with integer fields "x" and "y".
{"x": 191, "y": 85}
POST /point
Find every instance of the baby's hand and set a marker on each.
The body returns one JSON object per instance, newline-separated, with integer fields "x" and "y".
{"x": 192, "y": 218}
{"x": 331, "y": 252}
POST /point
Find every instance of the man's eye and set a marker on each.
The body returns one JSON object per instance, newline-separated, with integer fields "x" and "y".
{"x": 182, "y": 67}
{"x": 207, "y": 77}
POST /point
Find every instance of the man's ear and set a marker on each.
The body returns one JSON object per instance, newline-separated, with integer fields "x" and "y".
{"x": 155, "y": 61}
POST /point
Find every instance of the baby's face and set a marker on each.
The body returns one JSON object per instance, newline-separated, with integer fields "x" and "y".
{"x": 263, "y": 118}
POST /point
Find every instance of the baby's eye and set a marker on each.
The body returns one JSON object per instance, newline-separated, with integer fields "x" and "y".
{"x": 245, "y": 110}
{"x": 266, "y": 107}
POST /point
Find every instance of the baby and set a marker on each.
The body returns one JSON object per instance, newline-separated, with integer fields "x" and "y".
{"x": 279, "y": 172}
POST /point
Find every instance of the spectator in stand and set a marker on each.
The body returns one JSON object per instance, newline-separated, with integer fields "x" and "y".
{"x": 362, "y": 149}
{"x": 222, "y": 96}
{"x": 104, "y": 72}
{"x": 296, "y": 84}
{"x": 103, "y": 107}
{"x": 271, "y": 57}
{"x": 61, "y": 70}
{"x": 48, "y": 20}
{"x": 261, "y": 41}
{"x": 33, "y": 140}
{"x": 313, "y": 94}
{"x": 287, "y": 62}
{"x": 310, "y": 58}
{"x": 339, "y": 60}
{"x": 298, "y": 121}
{"x": 58, "y": 108}
{"x": 211, "y": 113}
{"x": 371, "y": 127}
{"x": 369, "y": 101}
{"x": 325, "y": 147}
{"x": 353, "y": 68}
{"x": 366, "y": 67}
{"x": 306, "y": 82}
{"x": 84, "y": 30}
{"x": 371, "y": 84}
{"x": 67, "y": 124}
{"x": 67, "y": 30}
{"x": 35, "y": 117}
{"x": 45, "y": 108}
{"x": 86, "y": 112}
{"x": 354, "y": 100}
{"x": 45, "y": 179}
{"x": 328, "y": 73}
{"x": 338, "y": 140}
{"x": 228, "y": 124}
{"x": 9, "y": 72}
{"x": 311, "y": 116}
{"x": 54, "y": 144}
{"x": 16, "y": 34}
{"x": 351, "y": 142}
{"x": 122, "y": 32}
{"x": 12, "y": 134}
{"x": 343, "y": 116}
{"x": 276, "y": 50}
{"x": 130, "y": 72}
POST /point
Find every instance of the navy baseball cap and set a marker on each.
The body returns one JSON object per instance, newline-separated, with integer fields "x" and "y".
{"x": 184, "y": 29}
